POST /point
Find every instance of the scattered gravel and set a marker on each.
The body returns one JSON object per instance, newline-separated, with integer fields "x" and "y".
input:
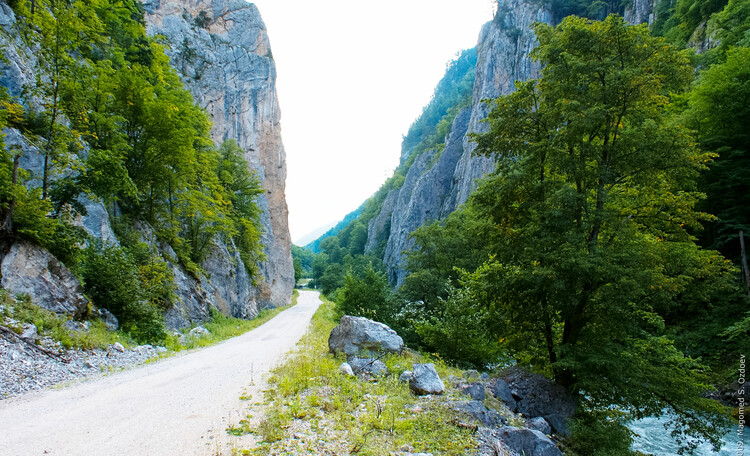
{"x": 23, "y": 368}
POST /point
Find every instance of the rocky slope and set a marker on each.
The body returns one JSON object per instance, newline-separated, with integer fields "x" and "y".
{"x": 437, "y": 184}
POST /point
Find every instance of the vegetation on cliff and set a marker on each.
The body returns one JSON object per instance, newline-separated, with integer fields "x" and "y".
{"x": 112, "y": 122}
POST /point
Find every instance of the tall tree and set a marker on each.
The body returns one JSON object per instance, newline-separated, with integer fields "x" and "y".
{"x": 593, "y": 201}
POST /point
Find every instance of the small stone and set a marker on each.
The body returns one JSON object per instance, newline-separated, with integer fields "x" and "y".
{"x": 346, "y": 369}
{"x": 540, "y": 424}
{"x": 29, "y": 332}
{"x": 160, "y": 349}
{"x": 471, "y": 375}
{"x": 425, "y": 380}
{"x": 199, "y": 331}
{"x": 88, "y": 364}
{"x": 118, "y": 347}
{"x": 369, "y": 366}
{"x": 475, "y": 390}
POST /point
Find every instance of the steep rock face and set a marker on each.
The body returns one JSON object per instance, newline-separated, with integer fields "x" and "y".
{"x": 29, "y": 269}
{"x": 639, "y": 12}
{"x": 434, "y": 188}
{"x": 222, "y": 51}
{"x": 239, "y": 92}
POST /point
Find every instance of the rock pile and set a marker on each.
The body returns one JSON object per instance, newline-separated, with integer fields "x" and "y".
{"x": 515, "y": 414}
{"x": 26, "y": 367}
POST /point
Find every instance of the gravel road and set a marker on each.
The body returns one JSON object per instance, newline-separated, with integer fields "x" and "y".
{"x": 177, "y": 406}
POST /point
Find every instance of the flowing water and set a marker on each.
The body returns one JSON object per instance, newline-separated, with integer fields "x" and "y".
{"x": 654, "y": 439}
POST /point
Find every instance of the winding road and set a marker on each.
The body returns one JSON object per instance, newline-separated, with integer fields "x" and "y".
{"x": 177, "y": 406}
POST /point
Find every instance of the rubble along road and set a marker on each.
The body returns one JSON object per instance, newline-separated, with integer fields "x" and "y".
{"x": 177, "y": 406}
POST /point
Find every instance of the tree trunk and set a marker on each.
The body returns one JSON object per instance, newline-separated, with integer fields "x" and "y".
{"x": 744, "y": 262}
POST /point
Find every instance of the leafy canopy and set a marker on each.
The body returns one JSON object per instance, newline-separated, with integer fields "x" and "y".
{"x": 592, "y": 204}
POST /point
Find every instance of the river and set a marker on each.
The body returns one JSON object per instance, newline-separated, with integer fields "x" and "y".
{"x": 654, "y": 439}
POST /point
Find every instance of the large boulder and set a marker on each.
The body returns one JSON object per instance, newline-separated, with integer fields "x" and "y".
{"x": 356, "y": 335}
{"x": 528, "y": 442}
{"x": 425, "y": 380}
{"x": 30, "y": 269}
{"x": 538, "y": 396}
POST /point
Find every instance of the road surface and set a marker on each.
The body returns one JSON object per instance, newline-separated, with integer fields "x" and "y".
{"x": 177, "y": 406}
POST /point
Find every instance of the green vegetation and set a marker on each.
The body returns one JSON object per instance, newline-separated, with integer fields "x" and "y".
{"x": 222, "y": 327}
{"x": 605, "y": 252}
{"x": 21, "y": 310}
{"x": 348, "y": 415}
{"x": 118, "y": 126}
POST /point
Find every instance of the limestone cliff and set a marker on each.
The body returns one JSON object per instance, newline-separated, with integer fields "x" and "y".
{"x": 437, "y": 184}
{"x": 222, "y": 51}
{"x": 228, "y": 67}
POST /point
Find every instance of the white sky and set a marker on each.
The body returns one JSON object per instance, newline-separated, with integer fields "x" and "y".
{"x": 352, "y": 77}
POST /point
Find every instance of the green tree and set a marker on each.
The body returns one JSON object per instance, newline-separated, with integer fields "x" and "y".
{"x": 366, "y": 296}
{"x": 592, "y": 206}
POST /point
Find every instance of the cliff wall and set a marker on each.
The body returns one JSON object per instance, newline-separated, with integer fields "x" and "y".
{"x": 222, "y": 50}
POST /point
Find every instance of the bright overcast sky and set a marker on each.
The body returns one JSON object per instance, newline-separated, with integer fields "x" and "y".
{"x": 352, "y": 77}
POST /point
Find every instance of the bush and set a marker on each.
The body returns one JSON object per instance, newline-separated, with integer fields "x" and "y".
{"x": 112, "y": 280}
{"x": 368, "y": 296}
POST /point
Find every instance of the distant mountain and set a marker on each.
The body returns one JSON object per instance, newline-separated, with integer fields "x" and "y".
{"x": 315, "y": 245}
{"x": 314, "y": 234}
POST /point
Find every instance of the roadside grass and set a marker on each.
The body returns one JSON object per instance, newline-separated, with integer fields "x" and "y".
{"x": 341, "y": 415}
{"x": 222, "y": 327}
{"x": 51, "y": 325}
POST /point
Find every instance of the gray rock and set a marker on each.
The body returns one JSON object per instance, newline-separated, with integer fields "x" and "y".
{"x": 29, "y": 269}
{"x": 346, "y": 369}
{"x": 503, "y": 392}
{"x": 160, "y": 349}
{"x": 405, "y": 376}
{"x": 108, "y": 318}
{"x": 29, "y": 332}
{"x": 369, "y": 366}
{"x": 118, "y": 347}
{"x": 539, "y": 396}
{"x": 528, "y": 442}
{"x": 425, "y": 380}
{"x": 77, "y": 326}
{"x": 198, "y": 332}
{"x": 474, "y": 390}
{"x": 477, "y": 411}
{"x": 540, "y": 424}
{"x": 471, "y": 375}
{"x": 359, "y": 335}
{"x": 484, "y": 376}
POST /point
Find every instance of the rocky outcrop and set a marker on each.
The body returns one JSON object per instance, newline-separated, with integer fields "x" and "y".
{"x": 640, "y": 12}
{"x": 356, "y": 335}
{"x": 439, "y": 182}
{"x": 29, "y": 269}
{"x": 222, "y": 51}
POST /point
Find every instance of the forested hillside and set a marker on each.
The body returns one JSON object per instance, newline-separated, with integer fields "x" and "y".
{"x": 107, "y": 126}
{"x": 607, "y": 249}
